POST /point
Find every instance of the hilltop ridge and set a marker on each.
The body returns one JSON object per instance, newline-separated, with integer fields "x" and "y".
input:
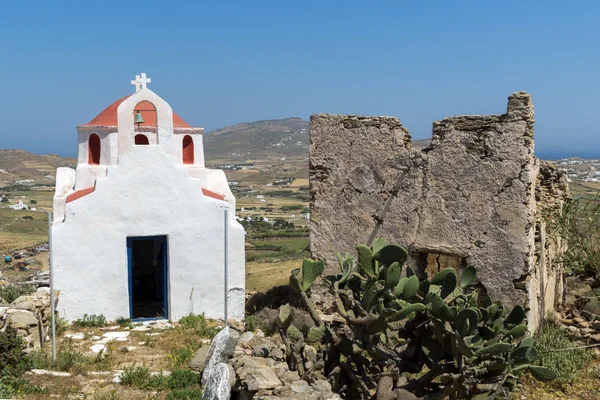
{"x": 259, "y": 140}
{"x": 19, "y": 164}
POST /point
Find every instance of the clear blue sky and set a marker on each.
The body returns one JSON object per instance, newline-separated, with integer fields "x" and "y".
{"x": 219, "y": 63}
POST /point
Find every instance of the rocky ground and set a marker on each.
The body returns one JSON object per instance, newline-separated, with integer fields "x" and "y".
{"x": 254, "y": 367}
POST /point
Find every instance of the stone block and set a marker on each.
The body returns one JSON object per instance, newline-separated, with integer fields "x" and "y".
{"x": 197, "y": 362}
{"x": 221, "y": 349}
{"x": 218, "y": 381}
{"x": 21, "y": 319}
{"x": 262, "y": 379}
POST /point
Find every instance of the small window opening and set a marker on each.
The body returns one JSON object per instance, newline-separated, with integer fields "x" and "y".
{"x": 188, "y": 150}
{"x": 94, "y": 150}
{"x": 141, "y": 139}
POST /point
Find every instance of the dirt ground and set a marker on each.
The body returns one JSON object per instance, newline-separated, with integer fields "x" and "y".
{"x": 157, "y": 349}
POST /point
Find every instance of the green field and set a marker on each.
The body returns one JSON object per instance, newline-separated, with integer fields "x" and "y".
{"x": 17, "y": 232}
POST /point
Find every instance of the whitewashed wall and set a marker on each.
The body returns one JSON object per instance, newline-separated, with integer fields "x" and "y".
{"x": 148, "y": 193}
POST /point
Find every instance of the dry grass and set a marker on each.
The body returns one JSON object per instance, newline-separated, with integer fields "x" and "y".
{"x": 171, "y": 349}
{"x": 263, "y": 276}
{"x": 17, "y": 233}
{"x": 300, "y": 182}
{"x": 585, "y": 387}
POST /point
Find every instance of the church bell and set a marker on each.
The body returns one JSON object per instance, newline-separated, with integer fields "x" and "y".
{"x": 139, "y": 119}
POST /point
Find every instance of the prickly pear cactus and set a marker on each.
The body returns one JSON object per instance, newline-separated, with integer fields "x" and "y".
{"x": 399, "y": 324}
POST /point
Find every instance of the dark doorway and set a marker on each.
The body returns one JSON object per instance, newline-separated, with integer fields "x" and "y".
{"x": 147, "y": 258}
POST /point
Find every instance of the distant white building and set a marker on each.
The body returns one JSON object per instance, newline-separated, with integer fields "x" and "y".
{"x": 19, "y": 206}
{"x": 260, "y": 196}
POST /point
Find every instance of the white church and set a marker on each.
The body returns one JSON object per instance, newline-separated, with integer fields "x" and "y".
{"x": 139, "y": 226}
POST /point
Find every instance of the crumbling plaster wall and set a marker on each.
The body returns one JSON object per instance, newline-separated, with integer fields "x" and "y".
{"x": 473, "y": 197}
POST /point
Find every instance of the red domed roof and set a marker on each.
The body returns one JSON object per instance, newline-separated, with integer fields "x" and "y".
{"x": 108, "y": 117}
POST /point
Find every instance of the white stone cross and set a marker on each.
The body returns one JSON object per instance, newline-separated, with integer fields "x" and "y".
{"x": 140, "y": 82}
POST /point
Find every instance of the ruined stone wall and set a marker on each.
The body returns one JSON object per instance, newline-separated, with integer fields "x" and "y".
{"x": 473, "y": 197}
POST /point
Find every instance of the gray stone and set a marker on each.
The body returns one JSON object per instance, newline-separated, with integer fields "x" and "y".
{"x": 280, "y": 368}
{"x": 237, "y": 325}
{"x": 245, "y": 339}
{"x": 470, "y": 197}
{"x": 283, "y": 391}
{"x": 289, "y": 376}
{"x": 262, "y": 350}
{"x": 322, "y": 386}
{"x": 28, "y": 302}
{"x": 21, "y": 319}
{"x": 217, "y": 385}
{"x": 247, "y": 364}
{"x": 300, "y": 387}
{"x": 256, "y": 340}
{"x": 276, "y": 354}
{"x": 595, "y": 338}
{"x": 221, "y": 348}
{"x": 261, "y": 379}
{"x": 199, "y": 359}
{"x": 310, "y": 353}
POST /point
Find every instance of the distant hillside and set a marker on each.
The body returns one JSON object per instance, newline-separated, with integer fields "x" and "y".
{"x": 18, "y": 165}
{"x": 260, "y": 140}
{"x": 421, "y": 142}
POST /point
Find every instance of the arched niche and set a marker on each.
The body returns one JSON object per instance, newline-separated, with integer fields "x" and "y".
{"x": 141, "y": 139}
{"x": 149, "y": 127}
{"x": 188, "y": 150}
{"x": 94, "y": 149}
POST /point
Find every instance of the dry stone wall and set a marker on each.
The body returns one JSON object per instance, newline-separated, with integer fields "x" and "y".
{"x": 475, "y": 196}
{"x": 30, "y": 316}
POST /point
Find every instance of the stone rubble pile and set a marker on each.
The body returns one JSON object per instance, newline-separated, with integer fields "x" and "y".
{"x": 29, "y": 315}
{"x": 581, "y": 309}
{"x": 254, "y": 367}
{"x": 582, "y": 329}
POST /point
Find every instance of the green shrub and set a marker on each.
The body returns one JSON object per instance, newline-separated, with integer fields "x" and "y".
{"x": 141, "y": 378}
{"x": 135, "y": 376}
{"x": 69, "y": 359}
{"x": 182, "y": 378}
{"x": 27, "y": 217}
{"x": 13, "y": 385}
{"x": 552, "y": 342}
{"x": 578, "y": 224}
{"x": 60, "y": 325}
{"x": 185, "y": 394}
{"x": 90, "y": 321}
{"x": 200, "y": 324}
{"x": 181, "y": 356}
{"x": 12, "y": 292}
{"x": 12, "y": 355}
{"x": 124, "y": 322}
{"x": 13, "y": 362}
{"x": 251, "y": 323}
{"x": 33, "y": 201}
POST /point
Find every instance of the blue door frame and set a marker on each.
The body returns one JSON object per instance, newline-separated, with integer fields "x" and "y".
{"x": 130, "y": 241}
